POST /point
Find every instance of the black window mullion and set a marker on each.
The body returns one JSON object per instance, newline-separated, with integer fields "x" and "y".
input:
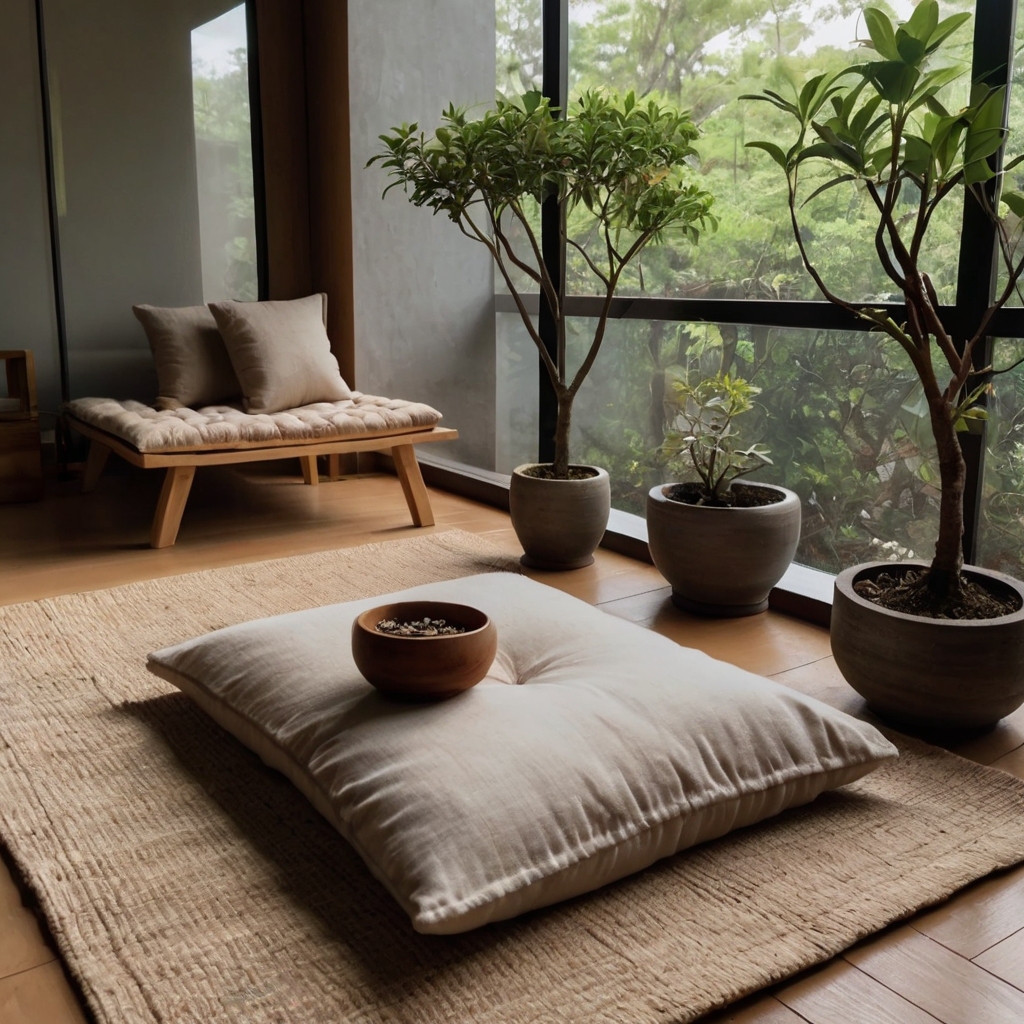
{"x": 259, "y": 187}
{"x": 991, "y": 63}
{"x": 555, "y": 27}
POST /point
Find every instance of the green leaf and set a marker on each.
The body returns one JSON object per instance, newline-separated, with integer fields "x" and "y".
{"x": 894, "y": 80}
{"x": 881, "y": 31}
{"x": 917, "y": 155}
{"x": 532, "y": 100}
{"x": 839, "y": 150}
{"x": 775, "y": 152}
{"x": 859, "y": 124}
{"x": 923, "y": 22}
{"x": 829, "y": 184}
{"x": 945, "y": 29}
{"x": 1015, "y": 202}
{"x": 911, "y": 50}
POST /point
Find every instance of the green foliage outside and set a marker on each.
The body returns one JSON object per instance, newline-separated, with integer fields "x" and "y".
{"x": 841, "y": 412}
{"x": 220, "y": 104}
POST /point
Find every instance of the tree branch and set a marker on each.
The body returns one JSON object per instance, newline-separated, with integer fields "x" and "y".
{"x": 590, "y": 263}
{"x": 479, "y": 236}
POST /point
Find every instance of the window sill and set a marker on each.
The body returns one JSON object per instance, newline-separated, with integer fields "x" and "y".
{"x": 803, "y": 592}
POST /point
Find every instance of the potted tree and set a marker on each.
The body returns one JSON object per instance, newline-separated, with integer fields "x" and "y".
{"x": 619, "y": 163}
{"x": 934, "y": 645}
{"x": 721, "y": 542}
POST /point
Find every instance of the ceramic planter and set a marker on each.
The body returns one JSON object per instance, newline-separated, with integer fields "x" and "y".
{"x": 559, "y": 522}
{"x": 722, "y": 561}
{"x": 929, "y": 674}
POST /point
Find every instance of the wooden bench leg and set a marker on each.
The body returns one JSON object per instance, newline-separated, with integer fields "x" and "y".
{"x": 310, "y": 473}
{"x": 94, "y": 463}
{"x": 413, "y": 488}
{"x": 333, "y": 467}
{"x": 173, "y": 495}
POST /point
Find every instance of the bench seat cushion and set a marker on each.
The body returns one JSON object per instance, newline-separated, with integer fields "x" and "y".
{"x": 592, "y": 748}
{"x": 227, "y": 427}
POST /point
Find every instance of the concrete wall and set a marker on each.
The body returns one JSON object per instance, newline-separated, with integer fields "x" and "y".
{"x": 424, "y": 307}
{"x": 26, "y": 292}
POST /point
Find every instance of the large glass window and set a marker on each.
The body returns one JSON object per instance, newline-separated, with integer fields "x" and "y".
{"x": 703, "y": 55}
{"x": 843, "y": 417}
{"x": 519, "y": 46}
{"x": 1001, "y": 534}
{"x": 220, "y": 104}
{"x": 841, "y": 410}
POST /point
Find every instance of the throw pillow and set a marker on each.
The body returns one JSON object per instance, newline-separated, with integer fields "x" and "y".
{"x": 192, "y": 364}
{"x": 281, "y": 352}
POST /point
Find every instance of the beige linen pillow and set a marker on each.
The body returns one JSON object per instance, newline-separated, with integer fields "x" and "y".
{"x": 192, "y": 364}
{"x": 593, "y": 748}
{"x": 281, "y": 352}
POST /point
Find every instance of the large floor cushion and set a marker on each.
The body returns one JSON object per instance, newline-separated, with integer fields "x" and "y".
{"x": 227, "y": 426}
{"x": 593, "y": 748}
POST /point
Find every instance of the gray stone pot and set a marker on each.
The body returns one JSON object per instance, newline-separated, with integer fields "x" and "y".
{"x": 559, "y": 522}
{"x": 931, "y": 675}
{"x": 722, "y": 561}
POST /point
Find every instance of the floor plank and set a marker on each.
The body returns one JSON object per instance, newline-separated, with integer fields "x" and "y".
{"x": 822, "y": 680}
{"x": 979, "y": 917}
{"x": 758, "y": 1010}
{"x": 21, "y": 943}
{"x": 767, "y": 643}
{"x": 939, "y": 981}
{"x": 1012, "y": 762}
{"x": 840, "y": 994}
{"x": 1007, "y": 736}
{"x": 39, "y": 996}
{"x": 1006, "y": 959}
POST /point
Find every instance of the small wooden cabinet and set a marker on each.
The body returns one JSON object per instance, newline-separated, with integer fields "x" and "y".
{"x": 21, "y": 462}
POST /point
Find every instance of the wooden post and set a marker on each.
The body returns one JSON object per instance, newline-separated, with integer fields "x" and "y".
{"x": 413, "y": 487}
{"x": 310, "y": 472}
{"x": 173, "y": 495}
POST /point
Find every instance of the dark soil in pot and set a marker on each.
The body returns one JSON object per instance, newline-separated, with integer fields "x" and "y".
{"x": 748, "y": 496}
{"x": 905, "y": 589}
{"x": 545, "y": 471}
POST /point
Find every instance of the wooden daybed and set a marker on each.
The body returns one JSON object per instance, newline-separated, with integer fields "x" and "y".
{"x": 181, "y": 440}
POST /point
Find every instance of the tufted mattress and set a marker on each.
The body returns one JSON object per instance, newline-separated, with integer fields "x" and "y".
{"x": 227, "y": 427}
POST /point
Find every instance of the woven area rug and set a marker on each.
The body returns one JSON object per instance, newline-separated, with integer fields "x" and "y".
{"x": 184, "y": 881}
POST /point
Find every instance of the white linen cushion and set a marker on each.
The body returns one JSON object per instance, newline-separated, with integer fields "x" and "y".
{"x": 223, "y": 427}
{"x": 280, "y": 352}
{"x": 593, "y": 748}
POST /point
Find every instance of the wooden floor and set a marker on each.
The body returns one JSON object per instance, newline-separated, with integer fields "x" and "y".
{"x": 962, "y": 963}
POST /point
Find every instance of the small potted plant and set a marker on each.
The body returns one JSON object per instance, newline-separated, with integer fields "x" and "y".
{"x": 939, "y": 645}
{"x": 721, "y": 542}
{"x": 618, "y": 164}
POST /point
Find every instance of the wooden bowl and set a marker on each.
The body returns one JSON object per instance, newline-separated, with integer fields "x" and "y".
{"x": 424, "y": 667}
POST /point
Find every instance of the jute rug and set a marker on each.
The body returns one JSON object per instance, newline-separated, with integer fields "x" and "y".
{"x": 183, "y": 881}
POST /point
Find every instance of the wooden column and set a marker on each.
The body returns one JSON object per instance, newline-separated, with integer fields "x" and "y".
{"x": 330, "y": 170}
{"x": 282, "y": 67}
{"x": 303, "y": 61}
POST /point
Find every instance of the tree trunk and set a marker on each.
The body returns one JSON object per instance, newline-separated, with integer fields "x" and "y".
{"x": 952, "y": 474}
{"x": 561, "y": 464}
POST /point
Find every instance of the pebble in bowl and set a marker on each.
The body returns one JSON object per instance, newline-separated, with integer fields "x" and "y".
{"x": 419, "y": 662}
